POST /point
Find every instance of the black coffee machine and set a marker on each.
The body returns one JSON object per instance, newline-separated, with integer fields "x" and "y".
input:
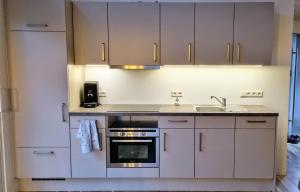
{"x": 90, "y": 94}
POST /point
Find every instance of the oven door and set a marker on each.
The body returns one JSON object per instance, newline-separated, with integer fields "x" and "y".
{"x": 132, "y": 152}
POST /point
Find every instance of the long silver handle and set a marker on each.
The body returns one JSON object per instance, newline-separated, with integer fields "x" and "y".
{"x": 200, "y": 142}
{"x": 131, "y": 141}
{"x": 36, "y": 25}
{"x": 228, "y": 52}
{"x": 63, "y": 105}
{"x": 101, "y": 140}
{"x": 262, "y": 121}
{"x": 177, "y": 121}
{"x": 190, "y": 52}
{"x": 103, "y": 51}
{"x": 239, "y": 53}
{"x": 43, "y": 152}
{"x": 165, "y": 142}
{"x": 155, "y": 52}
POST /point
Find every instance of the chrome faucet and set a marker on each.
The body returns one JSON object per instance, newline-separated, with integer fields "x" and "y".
{"x": 221, "y": 100}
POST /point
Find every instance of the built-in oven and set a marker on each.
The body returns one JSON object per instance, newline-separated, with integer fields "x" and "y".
{"x": 133, "y": 144}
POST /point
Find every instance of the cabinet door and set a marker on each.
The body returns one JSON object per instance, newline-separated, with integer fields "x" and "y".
{"x": 254, "y": 153}
{"x": 38, "y": 63}
{"x": 133, "y": 33}
{"x": 90, "y": 32}
{"x": 177, "y": 153}
{"x": 36, "y": 15}
{"x": 177, "y": 33}
{"x": 91, "y": 165}
{"x": 253, "y": 33}
{"x": 214, "y": 153}
{"x": 214, "y": 33}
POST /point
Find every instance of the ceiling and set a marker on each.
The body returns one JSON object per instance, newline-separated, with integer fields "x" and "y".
{"x": 297, "y": 10}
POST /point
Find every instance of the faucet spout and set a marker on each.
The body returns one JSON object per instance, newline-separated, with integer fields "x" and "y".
{"x": 221, "y": 100}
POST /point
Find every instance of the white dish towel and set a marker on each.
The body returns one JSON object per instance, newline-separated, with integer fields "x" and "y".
{"x": 89, "y": 136}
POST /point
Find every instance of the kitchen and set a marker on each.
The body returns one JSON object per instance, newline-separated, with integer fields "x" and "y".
{"x": 196, "y": 83}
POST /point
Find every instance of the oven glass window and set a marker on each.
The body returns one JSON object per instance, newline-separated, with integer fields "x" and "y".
{"x": 133, "y": 152}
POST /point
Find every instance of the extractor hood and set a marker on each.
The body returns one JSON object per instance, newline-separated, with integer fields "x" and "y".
{"x": 135, "y": 67}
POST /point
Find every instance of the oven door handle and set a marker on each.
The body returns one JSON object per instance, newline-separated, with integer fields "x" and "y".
{"x": 131, "y": 141}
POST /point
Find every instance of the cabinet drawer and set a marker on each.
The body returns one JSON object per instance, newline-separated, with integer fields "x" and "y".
{"x": 176, "y": 122}
{"x": 75, "y": 121}
{"x": 216, "y": 122}
{"x": 36, "y": 15}
{"x": 256, "y": 122}
{"x": 43, "y": 162}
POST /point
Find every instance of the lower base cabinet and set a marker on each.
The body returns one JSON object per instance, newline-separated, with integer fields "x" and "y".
{"x": 177, "y": 153}
{"x": 214, "y": 153}
{"x": 43, "y": 163}
{"x": 254, "y": 153}
{"x": 90, "y": 165}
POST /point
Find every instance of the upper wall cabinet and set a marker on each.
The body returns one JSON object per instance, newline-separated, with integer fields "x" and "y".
{"x": 214, "y": 33}
{"x": 253, "y": 33}
{"x": 177, "y": 33}
{"x": 133, "y": 33}
{"x": 90, "y": 32}
{"x": 36, "y": 15}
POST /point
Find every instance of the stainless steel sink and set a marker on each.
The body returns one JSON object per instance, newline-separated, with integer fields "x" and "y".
{"x": 208, "y": 108}
{"x": 215, "y": 108}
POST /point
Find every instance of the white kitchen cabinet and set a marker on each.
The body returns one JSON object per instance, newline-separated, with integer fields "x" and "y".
{"x": 38, "y": 64}
{"x": 175, "y": 122}
{"x": 90, "y": 32}
{"x": 37, "y": 15}
{"x": 214, "y": 33}
{"x": 253, "y": 33}
{"x": 177, "y": 33}
{"x": 214, "y": 153}
{"x": 133, "y": 33}
{"x": 90, "y": 165}
{"x": 177, "y": 153}
{"x": 254, "y": 153}
{"x": 43, "y": 163}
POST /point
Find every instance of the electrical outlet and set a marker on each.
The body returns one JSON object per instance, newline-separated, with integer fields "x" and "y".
{"x": 102, "y": 93}
{"x": 249, "y": 94}
{"x": 176, "y": 94}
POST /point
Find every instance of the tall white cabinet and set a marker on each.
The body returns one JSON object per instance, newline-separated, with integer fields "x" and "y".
{"x": 38, "y": 57}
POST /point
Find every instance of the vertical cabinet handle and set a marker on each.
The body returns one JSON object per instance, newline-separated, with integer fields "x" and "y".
{"x": 190, "y": 52}
{"x": 155, "y": 52}
{"x": 228, "y": 46}
{"x": 165, "y": 144}
{"x": 103, "y": 51}
{"x": 63, "y": 105}
{"x": 239, "y": 53}
{"x": 200, "y": 142}
{"x": 100, "y": 143}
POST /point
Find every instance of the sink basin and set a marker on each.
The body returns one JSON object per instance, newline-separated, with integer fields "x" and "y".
{"x": 208, "y": 108}
{"x": 215, "y": 108}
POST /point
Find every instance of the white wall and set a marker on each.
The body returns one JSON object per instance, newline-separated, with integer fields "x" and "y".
{"x": 199, "y": 83}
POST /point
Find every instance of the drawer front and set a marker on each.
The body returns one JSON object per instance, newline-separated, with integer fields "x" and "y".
{"x": 75, "y": 121}
{"x": 256, "y": 122}
{"x": 176, "y": 122}
{"x": 36, "y": 15}
{"x": 217, "y": 122}
{"x": 43, "y": 162}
